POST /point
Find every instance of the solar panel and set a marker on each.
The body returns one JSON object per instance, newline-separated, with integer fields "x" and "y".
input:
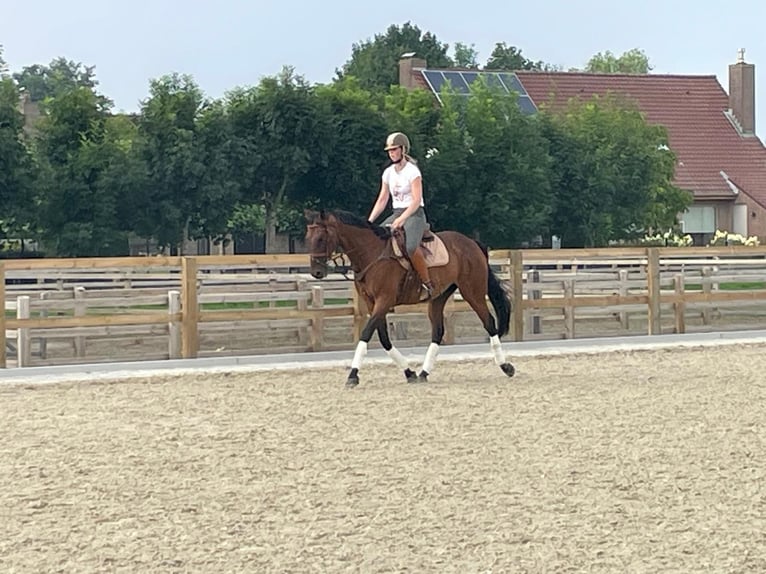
{"x": 527, "y": 105}
{"x": 457, "y": 82}
{"x": 493, "y": 81}
{"x": 435, "y": 79}
{"x": 460, "y": 82}
{"x": 512, "y": 83}
{"x": 470, "y": 77}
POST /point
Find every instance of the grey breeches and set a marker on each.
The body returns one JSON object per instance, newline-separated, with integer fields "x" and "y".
{"x": 414, "y": 227}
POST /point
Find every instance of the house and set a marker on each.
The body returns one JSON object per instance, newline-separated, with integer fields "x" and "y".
{"x": 712, "y": 133}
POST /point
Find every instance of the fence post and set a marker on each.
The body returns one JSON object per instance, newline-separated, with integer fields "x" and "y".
{"x": 43, "y": 340}
{"x": 189, "y": 308}
{"x": 707, "y": 287}
{"x": 679, "y": 307}
{"x": 317, "y": 320}
{"x": 2, "y": 317}
{"x": 653, "y": 290}
{"x": 533, "y": 276}
{"x": 174, "y": 327}
{"x": 624, "y": 315}
{"x": 517, "y": 294}
{"x": 304, "y": 337}
{"x": 23, "y": 340}
{"x": 569, "y": 310}
{"x": 80, "y": 308}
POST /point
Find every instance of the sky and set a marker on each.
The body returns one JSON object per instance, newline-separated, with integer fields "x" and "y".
{"x": 232, "y": 43}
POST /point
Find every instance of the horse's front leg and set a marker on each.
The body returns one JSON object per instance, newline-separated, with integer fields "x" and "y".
{"x": 436, "y": 316}
{"x": 396, "y": 356}
{"x": 376, "y": 320}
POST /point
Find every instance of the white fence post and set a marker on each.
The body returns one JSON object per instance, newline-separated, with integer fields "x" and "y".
{"x": 23, "y": 340}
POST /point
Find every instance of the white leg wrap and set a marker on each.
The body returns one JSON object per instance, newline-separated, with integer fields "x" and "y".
{"x": 497, "y": 350}
{"x": 361, "y": 351}
{"x": 428, "y": 362}
{"x": 398, "y": 358}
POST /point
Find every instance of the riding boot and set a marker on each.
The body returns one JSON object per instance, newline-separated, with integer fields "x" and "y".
{"x": 419, "y": 263}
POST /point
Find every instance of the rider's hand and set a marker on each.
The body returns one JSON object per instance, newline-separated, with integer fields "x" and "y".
{"x": 397, "y": 223}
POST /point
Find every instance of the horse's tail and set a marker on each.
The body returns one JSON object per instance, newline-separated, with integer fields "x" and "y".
{"x": 498, "y": 296}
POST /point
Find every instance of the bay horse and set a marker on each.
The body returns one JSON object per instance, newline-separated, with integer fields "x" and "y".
{"x": 384, "y": 281}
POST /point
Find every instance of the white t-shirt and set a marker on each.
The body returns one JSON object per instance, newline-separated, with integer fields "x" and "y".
{"x": 400, "y": 184}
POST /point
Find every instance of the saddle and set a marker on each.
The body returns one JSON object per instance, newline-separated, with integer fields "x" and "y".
{"x": 433, "y": 247}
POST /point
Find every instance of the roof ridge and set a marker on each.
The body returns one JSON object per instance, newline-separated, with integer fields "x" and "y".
{"x": 571, "y": 73}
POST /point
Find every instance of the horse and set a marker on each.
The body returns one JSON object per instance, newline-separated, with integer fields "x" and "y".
{"x": 384, "y": 278}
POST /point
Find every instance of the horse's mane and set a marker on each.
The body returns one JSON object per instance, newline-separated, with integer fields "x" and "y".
{"x": 348, "y": 218}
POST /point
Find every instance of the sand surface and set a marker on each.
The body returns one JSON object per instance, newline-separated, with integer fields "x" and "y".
{"x": 643, "y": 461}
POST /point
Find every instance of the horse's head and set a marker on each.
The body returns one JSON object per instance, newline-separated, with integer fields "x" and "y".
{"x": 321, "y": 240}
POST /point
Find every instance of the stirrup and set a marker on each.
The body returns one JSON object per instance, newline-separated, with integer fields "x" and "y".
{"x": 426, "y": 291}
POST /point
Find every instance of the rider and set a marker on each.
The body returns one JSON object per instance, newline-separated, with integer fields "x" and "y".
{"x": 402, "y": 181}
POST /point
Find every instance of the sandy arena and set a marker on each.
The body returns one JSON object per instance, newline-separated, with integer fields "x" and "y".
{"x": 642, "y": 461}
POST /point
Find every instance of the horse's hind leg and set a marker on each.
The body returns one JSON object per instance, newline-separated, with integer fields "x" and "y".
{"x": 478, "y": 303}
{"x": 436, "y": 316}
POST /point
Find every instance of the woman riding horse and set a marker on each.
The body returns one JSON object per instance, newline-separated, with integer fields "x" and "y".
{"x": 403, "y": 183}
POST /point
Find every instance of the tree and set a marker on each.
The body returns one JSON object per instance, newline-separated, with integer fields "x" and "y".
{"x": 506, "y": 57}
{"x": 488, "y": 170}
{"x": 346, "y": 171}
{"x": 613, "y": 173}
{"x": 59, "y": 77}
{"x": 16, "y": 166}
{"x": 78, "y": 203}
{"x": 3, "y": 64}
{"x": 633, "y": 61}
{"x": 466, "y": 56}
{"x": 274, "y": 130}
{"x": 375, "y": 62}
{"x": 169, "y": 146}
{"x": 218, "y": 188}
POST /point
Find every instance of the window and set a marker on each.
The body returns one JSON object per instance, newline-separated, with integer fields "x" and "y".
{"x": 698, "y": 219}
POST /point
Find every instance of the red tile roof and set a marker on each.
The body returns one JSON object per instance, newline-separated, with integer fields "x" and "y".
{"x": 692, "y": 108}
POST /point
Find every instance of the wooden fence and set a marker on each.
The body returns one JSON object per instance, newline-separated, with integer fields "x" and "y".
{"x": 556, "y": 293}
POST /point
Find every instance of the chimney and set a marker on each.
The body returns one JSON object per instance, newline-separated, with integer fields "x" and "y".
{"x": 742, "y": 93}
{"x": 408, "y": 64}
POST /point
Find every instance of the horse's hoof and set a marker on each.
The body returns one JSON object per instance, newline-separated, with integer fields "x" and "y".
{"x": 422, "y": 377}
{"x": 508, "y": 369}
{"x": 411, "y": 376}
{"x": 352, "y": 382}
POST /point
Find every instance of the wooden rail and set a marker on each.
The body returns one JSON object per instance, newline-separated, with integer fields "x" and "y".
{"x": 547, "y": 286}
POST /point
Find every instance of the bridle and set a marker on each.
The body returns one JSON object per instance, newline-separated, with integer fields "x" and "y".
{"x": 336, "y": 257}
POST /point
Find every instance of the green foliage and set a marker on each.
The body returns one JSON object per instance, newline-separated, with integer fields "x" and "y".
{"x": 506, "y": 57}
{"x": 16, "y": 164}
{"x": 375, "y": 62}
{"x": 3, "y": 64}
{"x": 59, "y": 77}
{"x": 170, "y": 148}
{"x": 490, "y": 175}
{"x": 466, "y": 56}
{"x": 613, "y": 173}
{"x": 276, "y": 139}
{"x": 188, "y": 167}
{"x": 633, "y": 61}
{"x": 349, "y": 152}
{"x": 81, "y": 176}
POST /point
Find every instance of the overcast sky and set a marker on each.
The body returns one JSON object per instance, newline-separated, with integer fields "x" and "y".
{"x": 236, "y": 42}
